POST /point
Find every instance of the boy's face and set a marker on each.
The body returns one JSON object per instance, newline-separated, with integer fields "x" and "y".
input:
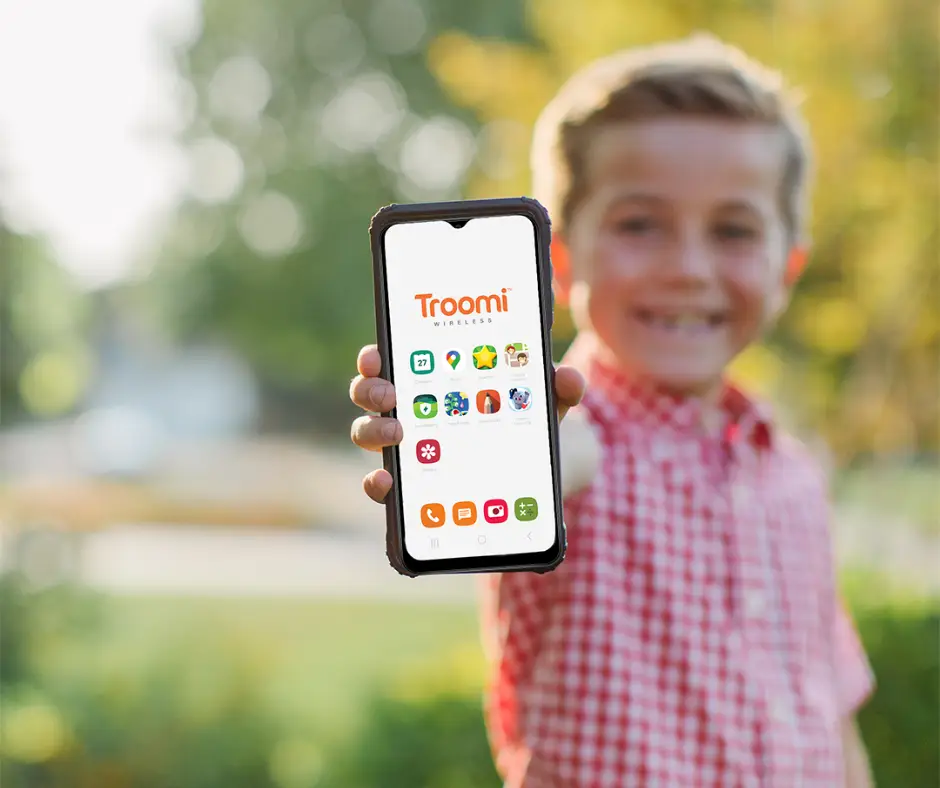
{"x": 678, "y": 251}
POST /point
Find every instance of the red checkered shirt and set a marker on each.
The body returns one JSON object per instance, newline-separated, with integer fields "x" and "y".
{"x": 693, "y": 636}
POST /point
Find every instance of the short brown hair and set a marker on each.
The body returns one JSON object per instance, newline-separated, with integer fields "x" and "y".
{"x": 695, "y": 77}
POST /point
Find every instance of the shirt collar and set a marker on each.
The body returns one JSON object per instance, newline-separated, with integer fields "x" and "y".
{"x": 738, "y": 416}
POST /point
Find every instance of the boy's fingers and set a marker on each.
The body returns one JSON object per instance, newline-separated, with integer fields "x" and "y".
{"x": 373, "y": 394}
{"x": 569, "y": 388}
{"x": 369, "y": 362}
{"x": 374, "y": 433}
{"x": 377, "y": 484}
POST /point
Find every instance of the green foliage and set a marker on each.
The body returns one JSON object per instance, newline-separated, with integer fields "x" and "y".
{"x": 901, "y": 724}
{"x": 188, "y": 714}
{"x": 434, "y": 742}
{"x": 101, "y": 693}
{"x": 45, "y": 366}
{"x": 280, "y": 267}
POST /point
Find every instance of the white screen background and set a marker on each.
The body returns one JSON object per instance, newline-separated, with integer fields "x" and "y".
{"x": 483, "y": 457}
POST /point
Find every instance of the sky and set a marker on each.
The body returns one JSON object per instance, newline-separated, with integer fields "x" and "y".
{"x": 89, "y": 99}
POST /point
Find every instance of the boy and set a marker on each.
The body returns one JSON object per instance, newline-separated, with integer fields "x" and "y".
{"x": 693, "y": 635}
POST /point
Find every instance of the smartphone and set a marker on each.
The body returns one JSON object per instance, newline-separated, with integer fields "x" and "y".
{"x": 464, "y": 310}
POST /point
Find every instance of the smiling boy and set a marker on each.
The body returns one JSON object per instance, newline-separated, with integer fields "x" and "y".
{"x": 693, "y": 636}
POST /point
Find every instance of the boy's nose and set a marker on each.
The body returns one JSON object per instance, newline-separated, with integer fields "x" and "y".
{"x": 691, "y": 261}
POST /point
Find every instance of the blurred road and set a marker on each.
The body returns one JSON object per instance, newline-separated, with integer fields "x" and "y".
{"x": 232, "y": 562}
{"x": 243, "y": 562}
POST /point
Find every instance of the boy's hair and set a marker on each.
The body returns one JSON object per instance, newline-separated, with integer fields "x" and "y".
{"x": 697, "y": 77}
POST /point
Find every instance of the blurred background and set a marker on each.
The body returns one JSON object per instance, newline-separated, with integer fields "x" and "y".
{"x": 194, "y": 589}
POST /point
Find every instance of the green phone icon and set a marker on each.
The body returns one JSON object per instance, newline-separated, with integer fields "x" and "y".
{"x": 422, "y": 362}
{"x": 527, "y": 509}
{"x": 425, "y": 406}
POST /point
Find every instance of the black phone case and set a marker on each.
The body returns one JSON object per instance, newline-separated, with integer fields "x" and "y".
{"x": 456, "y": 210}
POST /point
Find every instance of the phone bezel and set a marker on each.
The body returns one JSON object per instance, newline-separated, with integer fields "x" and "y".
{"x": 463, "y": 212}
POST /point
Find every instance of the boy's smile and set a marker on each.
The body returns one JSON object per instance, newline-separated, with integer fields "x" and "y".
{"x": 678, "y": 248}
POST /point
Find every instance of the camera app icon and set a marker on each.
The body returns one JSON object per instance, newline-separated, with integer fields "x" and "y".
{"x": 495, "y": 511}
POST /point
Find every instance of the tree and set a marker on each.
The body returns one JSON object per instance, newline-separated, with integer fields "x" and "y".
{"x": 857, "y": 352}
{"x": 308, "y": 117}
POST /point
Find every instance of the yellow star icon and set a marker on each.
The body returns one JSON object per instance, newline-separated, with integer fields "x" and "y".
{"x": 485, "y": 357}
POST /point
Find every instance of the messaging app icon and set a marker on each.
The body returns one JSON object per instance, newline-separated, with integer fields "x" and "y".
{"x": 465, "y": 513}
{"x": 422, "y": 362}
{"x": 527, "y": 509}
{"x": 425, "y": 406}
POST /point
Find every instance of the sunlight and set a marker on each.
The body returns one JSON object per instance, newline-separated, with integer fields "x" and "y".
{"x": 82, "y": 154}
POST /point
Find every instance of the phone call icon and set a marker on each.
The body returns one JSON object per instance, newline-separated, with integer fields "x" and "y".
{"x": 432, "y": 515}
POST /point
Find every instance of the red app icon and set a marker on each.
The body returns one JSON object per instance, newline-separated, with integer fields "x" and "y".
{"x": 428, "y": 451}
{"x": 495, "y": 511}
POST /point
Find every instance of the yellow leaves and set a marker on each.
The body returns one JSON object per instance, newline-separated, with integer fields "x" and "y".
{"x": 497, "y": 78}
{"x": 53, "y": 380}
{"x": 459, "y": 673}
{"x": 832, "y": 326}
{"x": 32, "y": 732}
{"x": 576, "y": 33}
{"x": 757, "y": 369}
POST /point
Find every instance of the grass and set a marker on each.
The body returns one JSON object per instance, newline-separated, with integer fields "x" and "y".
{"x": 320, "y": 660}
{"x": 907, "y": 494}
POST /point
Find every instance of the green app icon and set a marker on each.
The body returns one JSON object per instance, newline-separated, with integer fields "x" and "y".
{"x": 425, "y": 406}
{"x": 422, "y": 362}
{"x": 526, "y": 509}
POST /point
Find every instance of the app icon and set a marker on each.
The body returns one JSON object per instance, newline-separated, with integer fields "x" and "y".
{"x": 488, "y": 401}
{"x": 422, "y": 362}
{"x": 432, "y": 515}
{"x": 520, "y": 398}
{"x": 526, "y": 509}
{"x": 465, "y": 513}
{"x": 517, "y": 354}
{"x": 456, "y": 403}
{"x": 428, "y": 451}
{"x": 453, "y": 358}
{"x": 425, "y": 406}
{"x": 495, "y": 511}
{"x": 484, "y": 357}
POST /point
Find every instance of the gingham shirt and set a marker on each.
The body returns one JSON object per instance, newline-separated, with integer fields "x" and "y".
{"x": 693, "y": 636}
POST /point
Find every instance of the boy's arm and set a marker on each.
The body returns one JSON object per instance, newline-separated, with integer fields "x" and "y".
{"x": 857, "y": 768}
{"x": 855, "y": 685}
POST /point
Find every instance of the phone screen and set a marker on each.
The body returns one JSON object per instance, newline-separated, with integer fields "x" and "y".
{"x": 469, "y": 368}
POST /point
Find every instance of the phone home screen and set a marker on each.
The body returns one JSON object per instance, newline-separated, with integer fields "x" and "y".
{"x": 469, "y": 370}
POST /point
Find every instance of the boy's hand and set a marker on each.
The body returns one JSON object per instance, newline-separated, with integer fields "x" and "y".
{"x": 373, "y": 394}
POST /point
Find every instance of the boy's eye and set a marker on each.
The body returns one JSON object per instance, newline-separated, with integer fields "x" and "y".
{"x": 735, "y": 232}
{"x": 635, "y": 225}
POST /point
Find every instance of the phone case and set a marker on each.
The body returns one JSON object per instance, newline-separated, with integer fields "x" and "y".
{"x": 459, "y": 209}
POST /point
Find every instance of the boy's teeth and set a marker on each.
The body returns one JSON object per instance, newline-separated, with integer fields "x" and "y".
{"x": 690, "y": 323}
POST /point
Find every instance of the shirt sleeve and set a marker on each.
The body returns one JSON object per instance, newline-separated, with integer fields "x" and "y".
{"x": 854, "y": 676}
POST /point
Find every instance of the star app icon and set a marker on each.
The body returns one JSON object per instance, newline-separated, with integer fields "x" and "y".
{"x": 484, "y": 357}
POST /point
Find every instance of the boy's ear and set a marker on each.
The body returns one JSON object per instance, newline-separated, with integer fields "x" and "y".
{"x": 561, "y": 267}
{"x": 796, "y": 262}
